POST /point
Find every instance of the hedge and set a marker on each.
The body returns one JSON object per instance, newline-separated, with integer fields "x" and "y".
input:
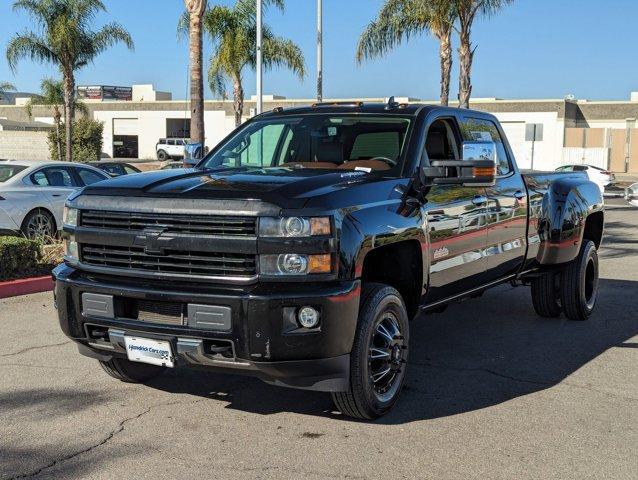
{"x": 17, "y": 255}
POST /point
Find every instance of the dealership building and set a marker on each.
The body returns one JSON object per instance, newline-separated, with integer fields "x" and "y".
{"x": 543, "y": 133}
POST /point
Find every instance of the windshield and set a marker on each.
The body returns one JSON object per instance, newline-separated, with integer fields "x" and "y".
{"x": 321, "y": 141}
{"x": 8, "y": 171}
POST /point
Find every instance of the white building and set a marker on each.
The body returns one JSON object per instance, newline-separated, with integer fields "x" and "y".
{"x": 544, "y": 134}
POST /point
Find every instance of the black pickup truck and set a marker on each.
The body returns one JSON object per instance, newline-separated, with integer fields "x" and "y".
{"x": 300, "y": 248}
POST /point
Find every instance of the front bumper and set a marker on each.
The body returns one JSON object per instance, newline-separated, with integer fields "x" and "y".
{"x": 260, "y": 338}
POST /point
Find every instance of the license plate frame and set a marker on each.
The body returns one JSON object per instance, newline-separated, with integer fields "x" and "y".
{"x": 149, "y": 350}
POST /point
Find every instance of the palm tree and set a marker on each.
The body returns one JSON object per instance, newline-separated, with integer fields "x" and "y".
{"x": 6, "y": 87}
{"x": 233, "y": 31}
{"x": 64, "y": 38}
{"x": 195, "y": 10}
{"x": 398, "y": 20}
{"x": 52, "y": 96}
{"x": 467, "y": 10}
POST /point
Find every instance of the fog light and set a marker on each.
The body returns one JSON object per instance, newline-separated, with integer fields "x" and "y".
{"x": 308, "y": 317}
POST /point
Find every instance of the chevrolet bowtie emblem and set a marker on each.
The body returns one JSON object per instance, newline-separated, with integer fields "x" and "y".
{"x": 154, "y": 240}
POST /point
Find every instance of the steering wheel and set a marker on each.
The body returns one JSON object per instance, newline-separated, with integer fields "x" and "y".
{"x": 390, "y": 162}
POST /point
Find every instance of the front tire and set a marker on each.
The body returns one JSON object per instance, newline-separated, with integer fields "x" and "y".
{"x": 579, "y": 283}
{"x": 39, "y": 224}
{"x": 379, "y": 355}
{"x": 546, "y": 294}
{"x": 162, "y": 156}
{"x": 130, "y": 372}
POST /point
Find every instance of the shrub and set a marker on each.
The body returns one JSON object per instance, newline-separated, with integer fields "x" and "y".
{"x": 18, "y": 255}
{"x": 87, "y": 140}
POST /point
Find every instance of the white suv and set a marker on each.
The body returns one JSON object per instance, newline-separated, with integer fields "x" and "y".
{"x": 168, "y": 148}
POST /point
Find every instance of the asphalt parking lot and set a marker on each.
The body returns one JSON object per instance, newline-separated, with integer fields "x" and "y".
{"x": 493, "y": 391}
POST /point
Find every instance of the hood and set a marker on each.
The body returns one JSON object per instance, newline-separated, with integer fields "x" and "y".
{"x": 284, "y": 187}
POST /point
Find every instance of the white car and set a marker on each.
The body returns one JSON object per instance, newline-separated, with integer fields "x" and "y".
{"x": 599, "y": 176}
{"x": 631, "y": 194}
{"x": 32, "y": 194}
{"x": 168, "y": 148}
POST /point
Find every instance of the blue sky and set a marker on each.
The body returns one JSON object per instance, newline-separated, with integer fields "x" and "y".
{"x": 532, "y": 49}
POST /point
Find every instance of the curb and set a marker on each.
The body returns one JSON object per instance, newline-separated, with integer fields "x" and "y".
{"x": 25, "y": 286}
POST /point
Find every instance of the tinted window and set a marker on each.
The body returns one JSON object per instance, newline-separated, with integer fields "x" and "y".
{"x": 112, "y": 169}
{"x": 8, "y": 171}
{"x": 320, "y": 141}
{"x": 580, "y": 168}
{"x": 128, "y": 169}
{"x": 89, "y": 177}
{"x": 440, "y": 143}
{"x": 53, "y": 177}
{"x": 377, "y": 144}
{"x": 479, "y": 130}
{"x": 171, "y": 142}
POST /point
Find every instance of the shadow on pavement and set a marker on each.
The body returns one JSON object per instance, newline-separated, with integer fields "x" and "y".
{"x": 475, "y": 355}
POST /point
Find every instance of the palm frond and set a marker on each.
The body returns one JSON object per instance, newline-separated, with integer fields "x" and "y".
{"x": 36, "y": 9}
{"x": 7, "y": 87}
{"x": 183, "y": 25}
{"x": 282, "y": 52}
{"x": 399, "y": 20}
{"x": 31, "y": 46}
{"x": 217, "y": 78}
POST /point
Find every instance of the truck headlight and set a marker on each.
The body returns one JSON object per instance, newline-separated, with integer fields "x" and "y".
{"x": 294, "y": 226}
{"x": 294, "y": 264}
{"x": 70, "y": 216}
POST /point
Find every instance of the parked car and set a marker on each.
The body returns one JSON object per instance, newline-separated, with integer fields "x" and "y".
{"x": 599, "y": 176}
{"x": 303, "y": 263}
{"x": 172, "y": 165}
{"x": 115, "y": 169}
{"x": 631, "y": 194}
{"x": 168, "y": 148}
{"x": 32, "y": 194}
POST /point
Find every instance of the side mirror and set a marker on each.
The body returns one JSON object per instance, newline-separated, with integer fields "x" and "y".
{"x": 478, "y": 167}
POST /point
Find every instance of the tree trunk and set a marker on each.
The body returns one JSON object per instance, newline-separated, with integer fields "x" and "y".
{"x": 445, "y": 53}
{"x": 69, "y": 111}
{"x": 238, "y": 100}
{"x": 58, "y": 139}
{"x": 196, "y": 10}
{"x": 466, "y": 55}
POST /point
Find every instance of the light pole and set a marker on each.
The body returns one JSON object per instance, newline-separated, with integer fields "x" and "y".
{"x": 259, "y": 59}
{"x": 319, "y": 51}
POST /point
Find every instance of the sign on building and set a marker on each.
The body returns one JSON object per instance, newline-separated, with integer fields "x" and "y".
{"x": 105, "y": 92}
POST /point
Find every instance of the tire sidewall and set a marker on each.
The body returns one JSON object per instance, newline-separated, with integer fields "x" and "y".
{"x": 385, "y": 299}
{"x": 589, "y": 253}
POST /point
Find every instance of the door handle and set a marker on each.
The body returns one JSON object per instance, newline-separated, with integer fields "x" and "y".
{"x": 519, "y": 195}
{"x": 479, "y": 200}
{"x": 56, "y": 195}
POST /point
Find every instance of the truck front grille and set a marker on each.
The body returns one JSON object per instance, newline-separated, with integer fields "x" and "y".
{"x": 172, "y": 223}
{"x": 173, "y": 262}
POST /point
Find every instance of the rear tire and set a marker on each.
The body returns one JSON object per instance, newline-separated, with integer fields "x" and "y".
{"x": 162, "y": 156}
{"x": 579, "y": 283}
{"x": 130, "y": 372}
{"x": 379, "y": 355}
{"x": 545, "y": 295}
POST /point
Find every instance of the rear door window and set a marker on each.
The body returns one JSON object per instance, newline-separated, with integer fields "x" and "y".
{"x": 53, "y": 177}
